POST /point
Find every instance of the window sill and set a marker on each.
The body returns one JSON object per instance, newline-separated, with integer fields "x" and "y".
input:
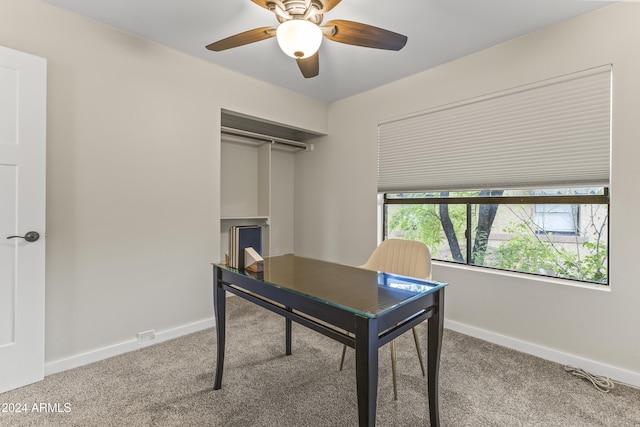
{"x": 524, "y": 276}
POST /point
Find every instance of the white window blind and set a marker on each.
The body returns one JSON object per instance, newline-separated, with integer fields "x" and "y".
{"x": 552, "y": 133}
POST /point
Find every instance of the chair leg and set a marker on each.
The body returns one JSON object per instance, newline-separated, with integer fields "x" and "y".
{"x": 344, "y": 351}
{"x": 393, "y": 369}
{"x": 415, "y": 338}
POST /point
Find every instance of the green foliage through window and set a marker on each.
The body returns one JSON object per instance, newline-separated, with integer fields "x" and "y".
{"x": 514, "y": 237}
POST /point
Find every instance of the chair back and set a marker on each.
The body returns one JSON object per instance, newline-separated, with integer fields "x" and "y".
{"x": 398, "y": 256}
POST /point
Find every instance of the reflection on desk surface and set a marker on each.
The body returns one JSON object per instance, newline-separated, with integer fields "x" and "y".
{"x": 356, "y": 289}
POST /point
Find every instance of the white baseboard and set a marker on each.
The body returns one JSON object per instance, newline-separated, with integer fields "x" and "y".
{"x": 123, "y": 347}
{"x": 616, "y": 374}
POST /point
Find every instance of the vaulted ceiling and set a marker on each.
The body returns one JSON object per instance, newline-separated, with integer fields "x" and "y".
{"x": 438, "y": 31}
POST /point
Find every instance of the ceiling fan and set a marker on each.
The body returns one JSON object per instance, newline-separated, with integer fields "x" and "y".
{"x": 300, "y": 33}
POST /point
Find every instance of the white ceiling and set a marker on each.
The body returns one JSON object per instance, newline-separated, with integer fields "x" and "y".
{"x": 438, "y": 31}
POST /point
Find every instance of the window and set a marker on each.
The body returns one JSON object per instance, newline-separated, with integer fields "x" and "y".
{"x": 509, "y": 229}
{"x": 557, "y": 219}
{"x": 552, "y": 137}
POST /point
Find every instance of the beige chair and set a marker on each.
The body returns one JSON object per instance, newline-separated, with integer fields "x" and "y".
{"x": 407, "y": 258}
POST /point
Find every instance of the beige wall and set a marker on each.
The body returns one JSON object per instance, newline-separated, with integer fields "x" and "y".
{"x": 133, "y": 177}
{"x": 336, "y": 198}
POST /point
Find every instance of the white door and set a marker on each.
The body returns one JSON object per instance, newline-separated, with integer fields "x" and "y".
{"x": 22, "y": 212}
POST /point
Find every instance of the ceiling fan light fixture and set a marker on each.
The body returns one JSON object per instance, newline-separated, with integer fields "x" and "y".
{"x": 299, "y": 38}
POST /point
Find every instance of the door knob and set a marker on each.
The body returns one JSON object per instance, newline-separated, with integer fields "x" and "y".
{"x": 31, "y": 236}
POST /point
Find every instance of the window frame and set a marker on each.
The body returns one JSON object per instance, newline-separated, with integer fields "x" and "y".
{"x": 586, "y": 199}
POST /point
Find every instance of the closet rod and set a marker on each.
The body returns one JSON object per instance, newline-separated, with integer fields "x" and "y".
{"x": 261, "y": 137}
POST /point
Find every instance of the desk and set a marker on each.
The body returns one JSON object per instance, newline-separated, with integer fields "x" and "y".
{"x": 330, "y": 298}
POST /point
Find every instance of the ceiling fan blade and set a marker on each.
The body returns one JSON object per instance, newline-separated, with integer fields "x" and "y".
{"x": 327, "y": 5}
{"x": 310, "y": 67}
{"x": 263, "y": 3}
{"x": 358, "y": 34}
{"x": 241, "y": 39}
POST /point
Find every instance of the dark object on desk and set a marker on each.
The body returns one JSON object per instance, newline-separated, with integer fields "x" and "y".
{"x": 240, "y": 238}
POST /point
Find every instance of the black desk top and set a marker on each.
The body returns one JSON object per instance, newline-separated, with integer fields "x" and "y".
{"x": 361, "y": 291}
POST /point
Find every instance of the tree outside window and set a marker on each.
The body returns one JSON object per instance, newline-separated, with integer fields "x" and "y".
{"x": 509, "y": 236}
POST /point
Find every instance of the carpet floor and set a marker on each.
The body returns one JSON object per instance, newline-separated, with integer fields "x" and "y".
{"x": 171, "y": 384}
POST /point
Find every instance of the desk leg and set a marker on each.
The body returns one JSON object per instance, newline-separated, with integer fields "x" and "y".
{"x": 435, "y": 330}
{"x": 366, "y": 369}
{"x": 219, "y": 305}
{"x": 287, "y": 329}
